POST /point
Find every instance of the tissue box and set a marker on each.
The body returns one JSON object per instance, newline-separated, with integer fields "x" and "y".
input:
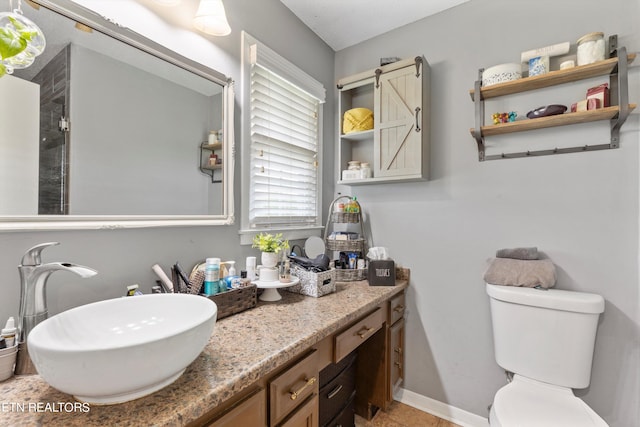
{"x": 382, "y": 273}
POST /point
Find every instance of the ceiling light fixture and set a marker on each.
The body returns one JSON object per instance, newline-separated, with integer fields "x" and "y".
{"x": 211, "y": 18}
{"x": 168, "y": 2}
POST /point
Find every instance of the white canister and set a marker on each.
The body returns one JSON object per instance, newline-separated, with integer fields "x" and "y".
{"x": 591, "y": 48}
{"x": 365, "y": 170}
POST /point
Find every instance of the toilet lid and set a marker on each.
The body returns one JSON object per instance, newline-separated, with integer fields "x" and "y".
{"x": 529, "y": 403}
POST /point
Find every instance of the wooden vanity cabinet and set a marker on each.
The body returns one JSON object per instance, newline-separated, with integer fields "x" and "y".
{"x": 249, "y": 411}
{"x": 289, "y": 396}
{"x": 381, "y": 361}
{"x": 290, "y": 390}
{"x": 306, "y": 416}
{"x": 396, "y": 331}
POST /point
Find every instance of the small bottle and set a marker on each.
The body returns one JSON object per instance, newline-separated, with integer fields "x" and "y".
{"x": 213, "y": 159}
{"x": 251, "y": 267}
{"x": 285, "y": 272}
{"x": 244, "y": 280}
{"x": 213, "y": 137}
{"x": 9, "y": 332}
{"x": 355, "y": 207}
{"x": 211, "y": 276}
{"x": 231, "y": 280}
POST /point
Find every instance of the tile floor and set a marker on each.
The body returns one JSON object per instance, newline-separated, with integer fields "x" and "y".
{"x": 401, "y": 415}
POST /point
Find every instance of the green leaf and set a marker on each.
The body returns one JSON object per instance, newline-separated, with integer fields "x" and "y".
{"x": 25, "y": 32}
{"x": 10, "y": 43}
{"x": 17, "y": 24}
{"x": 3, "y": 70}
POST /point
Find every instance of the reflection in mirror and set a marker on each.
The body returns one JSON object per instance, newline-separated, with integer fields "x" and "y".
{"x": 99, "y": 130}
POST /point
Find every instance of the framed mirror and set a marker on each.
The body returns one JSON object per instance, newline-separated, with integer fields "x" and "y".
{"x": 108, "y": 129}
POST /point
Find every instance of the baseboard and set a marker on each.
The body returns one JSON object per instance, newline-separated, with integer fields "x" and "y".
{"x": 439, "y": 409}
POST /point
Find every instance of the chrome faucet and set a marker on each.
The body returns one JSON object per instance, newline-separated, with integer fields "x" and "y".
{"x": 33, "y": 298}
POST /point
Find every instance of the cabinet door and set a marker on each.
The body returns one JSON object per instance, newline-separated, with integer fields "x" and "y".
{"x": 396, "y": 365}
{"x": 293, "y": 386}
{"x": 398, "y": 147}
{"x": 249, "y": 412}
{"x": 306, "y": 416}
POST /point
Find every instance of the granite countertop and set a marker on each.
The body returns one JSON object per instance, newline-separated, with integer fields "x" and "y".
{"x": 242, "y": 349}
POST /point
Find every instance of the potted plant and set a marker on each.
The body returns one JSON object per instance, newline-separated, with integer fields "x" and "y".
{"x": 270, "y": 245}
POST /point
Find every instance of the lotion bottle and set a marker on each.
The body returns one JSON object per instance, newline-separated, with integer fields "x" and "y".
{"x": 211, "y": 276}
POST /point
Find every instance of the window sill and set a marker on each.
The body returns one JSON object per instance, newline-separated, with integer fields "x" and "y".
{"x": 246, "y": 236}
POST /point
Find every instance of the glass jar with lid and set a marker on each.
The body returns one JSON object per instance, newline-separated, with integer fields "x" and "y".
{"x": 365, "y": 170}
{"x": 591, "y": 48}
{"x": 354, "y": 165}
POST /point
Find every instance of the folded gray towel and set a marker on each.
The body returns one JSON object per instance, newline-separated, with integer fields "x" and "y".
{"x": 518, "y": 253}
{"x": 516, "y": 272}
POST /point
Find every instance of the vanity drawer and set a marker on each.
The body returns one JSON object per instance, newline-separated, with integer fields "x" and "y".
{"x": 349, "y": 340}
{"x": 335, "y": 395}
{"x": 346, "y": 418}
{"x": 292, "y": 387}
{"x": 396, "y": 308}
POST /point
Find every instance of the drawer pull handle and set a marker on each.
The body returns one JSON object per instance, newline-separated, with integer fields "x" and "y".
{"x": 399, "y": 308}
{"x": 398, "y": 350}
{"x": 364, "y": 331}
{"x": 398, "y": 364}
{"x": 335, "y": 391}
{"x": 294, "y": 394}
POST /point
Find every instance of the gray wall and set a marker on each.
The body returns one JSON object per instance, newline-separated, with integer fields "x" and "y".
{"x": 148, "y": 126}
{"x": 580, "y": 209}
{"x": 123, "y": 257}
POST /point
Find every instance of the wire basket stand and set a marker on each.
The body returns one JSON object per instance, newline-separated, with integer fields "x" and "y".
{"x": 358, "y": 245}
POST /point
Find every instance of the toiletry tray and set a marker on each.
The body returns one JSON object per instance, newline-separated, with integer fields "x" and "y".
{"x": 235, "y": 300}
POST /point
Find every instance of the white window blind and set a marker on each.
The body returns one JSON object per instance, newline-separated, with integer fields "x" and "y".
{"x": 283, "y": 151}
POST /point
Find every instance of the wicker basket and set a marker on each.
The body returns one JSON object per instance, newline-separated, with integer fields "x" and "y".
{"x": 344, "y": 217}
{"x": 313, "y": 284}
{"x": 235, "y": 300}
{"x": 350, "y": 275}
{"x": 355, "y": 245}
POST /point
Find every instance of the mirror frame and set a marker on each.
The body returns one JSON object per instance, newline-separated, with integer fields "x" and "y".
{"x": 96, "y": 222}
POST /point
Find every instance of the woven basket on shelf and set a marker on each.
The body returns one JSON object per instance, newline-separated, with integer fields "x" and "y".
{"x": 354, "y": 245}
{"x": 344, "y": 217}
{"x": 235, "y": 300}
{"x": 348, "y": 275}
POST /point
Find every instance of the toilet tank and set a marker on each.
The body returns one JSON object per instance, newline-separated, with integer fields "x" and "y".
{"x": 546, "y": 335}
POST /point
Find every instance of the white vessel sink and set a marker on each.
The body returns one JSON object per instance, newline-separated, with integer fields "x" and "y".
{"x": 118, "y": 350}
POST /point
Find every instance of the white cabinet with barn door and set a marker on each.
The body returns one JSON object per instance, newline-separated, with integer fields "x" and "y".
{"x": 384, "y": 123}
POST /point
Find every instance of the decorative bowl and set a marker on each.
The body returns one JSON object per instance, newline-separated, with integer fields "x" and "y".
{"x": 121, "y": 349}
{"x": 549, "y": 110}
{"x": 501, "y": 73}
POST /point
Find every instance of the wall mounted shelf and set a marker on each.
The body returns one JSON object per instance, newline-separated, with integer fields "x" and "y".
{"x": 397, "y": 148}
{"x": 205, "y": 167}
{"x": 616, "y": 67}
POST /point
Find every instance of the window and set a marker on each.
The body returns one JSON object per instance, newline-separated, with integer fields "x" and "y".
{"x": 281, "y": 142}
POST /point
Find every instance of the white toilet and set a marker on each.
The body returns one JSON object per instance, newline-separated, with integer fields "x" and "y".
{"x": 546, "y": 339}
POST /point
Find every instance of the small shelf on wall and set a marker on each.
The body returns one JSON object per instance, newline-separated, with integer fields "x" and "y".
{"x": 205, "y": 167}
{"x": 552, "y": 78}
{"x": 616, "y": 67}
{"x": 607, "y": 113}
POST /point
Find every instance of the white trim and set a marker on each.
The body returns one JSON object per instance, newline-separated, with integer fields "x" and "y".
{"x": 248, "y": 44}
{"x": 439, "y": 409}
{"x": 259, "y": 53}
{"x": 246, "y": 236}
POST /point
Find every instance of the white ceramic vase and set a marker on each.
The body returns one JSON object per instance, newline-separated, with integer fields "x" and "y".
{"x": 269, "y": 259}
